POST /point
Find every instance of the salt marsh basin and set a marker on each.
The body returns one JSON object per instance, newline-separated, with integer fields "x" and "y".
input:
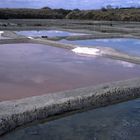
{"x": 30, "y": 70}
{"x": 48, "y": 33}
{"x": 126, "y": 45}
{"x": 33, "y": 69}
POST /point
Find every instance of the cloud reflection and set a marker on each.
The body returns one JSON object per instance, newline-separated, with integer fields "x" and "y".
{"x": 126, "y": 64}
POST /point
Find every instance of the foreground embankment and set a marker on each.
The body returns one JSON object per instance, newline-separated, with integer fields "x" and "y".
{"x": 20, "y": 112}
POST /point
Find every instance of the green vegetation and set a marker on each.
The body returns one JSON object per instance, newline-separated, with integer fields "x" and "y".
{"x": 127, "y": 14}
{"x": 44, "y": 13}
{"x": 109, "y": 14}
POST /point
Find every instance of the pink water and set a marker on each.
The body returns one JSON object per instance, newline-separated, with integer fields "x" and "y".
{"x": 31, "y": 69}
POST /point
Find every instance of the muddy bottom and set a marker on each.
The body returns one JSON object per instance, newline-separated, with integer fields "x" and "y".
{"x": 116, "y": 122}
{"x": 33, "y": 69}
{"x": 127, "y": 45}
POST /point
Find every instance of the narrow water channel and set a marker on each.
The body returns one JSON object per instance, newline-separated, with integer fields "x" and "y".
{"x": 116, "y": 122}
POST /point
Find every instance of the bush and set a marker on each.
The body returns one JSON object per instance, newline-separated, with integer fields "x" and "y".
{"x": 122, "y": 14}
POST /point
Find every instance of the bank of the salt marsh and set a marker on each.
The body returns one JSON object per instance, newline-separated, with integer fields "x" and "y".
{"x": 20, "y": 112}
{"x": 115, "y": 122}
{"x": 104, "y": 51}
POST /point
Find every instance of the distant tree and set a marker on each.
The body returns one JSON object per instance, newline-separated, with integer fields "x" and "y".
{"x": 123, "y": 14}
{"x": 77, "y": 10}
{"x": 117, "y": 7}
{"x": 109, "y": 7}
{"x": 47, "y": 8}
{"x": 62, "y": 11}
{"x": 103, "y": 9}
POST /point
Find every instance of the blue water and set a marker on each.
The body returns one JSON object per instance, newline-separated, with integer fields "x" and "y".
{"x": 49, "y": 33}
{"x": 116, "y": 122}
{"x": 127, "y": 45}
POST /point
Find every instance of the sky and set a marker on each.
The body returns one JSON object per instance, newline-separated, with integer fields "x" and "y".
{"x": 67, "y": 4}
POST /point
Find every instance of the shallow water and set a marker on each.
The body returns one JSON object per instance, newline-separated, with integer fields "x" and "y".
{"x": 49, "y": 33}
{"x": 116, "y": 122}
{"x": 35, "y": 69}
{"x": 127, "y": 45}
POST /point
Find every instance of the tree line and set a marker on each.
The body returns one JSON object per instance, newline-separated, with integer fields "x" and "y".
{"x": 107, "y": 13}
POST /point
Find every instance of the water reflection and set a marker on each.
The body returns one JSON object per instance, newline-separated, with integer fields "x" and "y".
{"x": 33, "y": 69}
{"x": 127, "y": 45}
{"x": 49, "y": 33}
